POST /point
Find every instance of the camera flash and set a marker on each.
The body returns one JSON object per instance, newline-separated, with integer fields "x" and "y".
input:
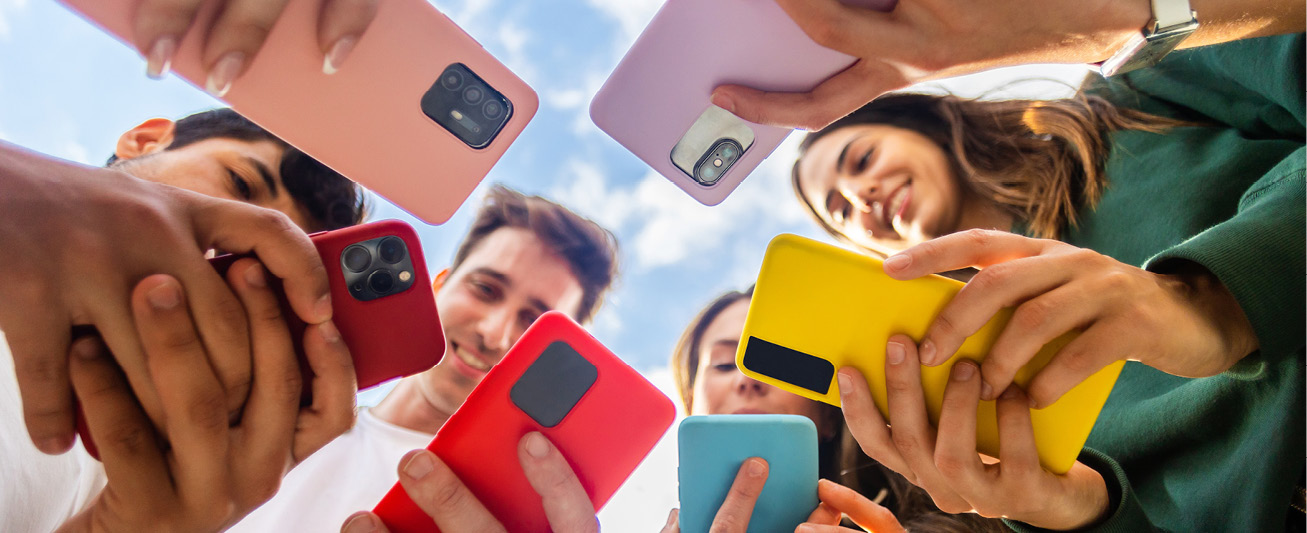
{"x": 717, "y": 162}
{"x": 405, "y": 276}
{"x": 456, "y": 114}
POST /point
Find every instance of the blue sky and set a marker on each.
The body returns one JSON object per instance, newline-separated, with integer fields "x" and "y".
{"x": 69, "y": 91}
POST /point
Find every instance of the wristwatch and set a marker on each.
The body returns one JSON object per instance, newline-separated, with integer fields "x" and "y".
{"x": 1172, "y": 22}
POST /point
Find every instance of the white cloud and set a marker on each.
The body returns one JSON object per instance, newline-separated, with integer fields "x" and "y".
{"x": 565, "y": 99}
{"x": 631, "y": 16}
{"x": 7, "y": 9}
{"x": 642, "y": 503}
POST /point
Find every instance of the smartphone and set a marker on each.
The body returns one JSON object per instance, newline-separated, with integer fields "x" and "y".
{"x": 419, "y": 113}
{"x": 600, "y": 413}
{"x": 382, "y": 303}
{"x": 713, "y": 447}
{"x": 656, "y": 102}
{"x": 817, "y": 308}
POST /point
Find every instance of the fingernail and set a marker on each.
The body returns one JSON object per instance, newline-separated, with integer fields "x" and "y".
{"x": 964, "y": 371}
{"x": 536, "y": 445}
{"x": 1032, "y": 403}
{"x": 927, "y": 353}
{"x": 986, "y": 391}
{"x": 224, "y": 72}
{"x": 898, "y": 262}
{"x": 363, "y": 523}
{"x": 159, "y": 60}
{"x": 322, "y": 309}
{"x": 329, "y": 332}
{"x": 164, "y": 297}
{"x": 671, "y": 519}
{"x": 756, "y": 468}
{"x": 339, "y": 51}
{"x": 894, "y": 353}
{"x": 805, "y": 528}
{"x": 87, "y": 349}
{"x": 846, "y": 384}
{"x": 55, "y": 445}
{"x": 1010, "y": 393}
{"x": 254, "y": 276}
{"x": 724, "y": 102}
{"x": 419, "y": 466}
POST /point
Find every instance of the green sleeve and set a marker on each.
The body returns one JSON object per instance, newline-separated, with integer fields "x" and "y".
{"x": 1258, "y": 255}
{"x": 1125, "y": 515}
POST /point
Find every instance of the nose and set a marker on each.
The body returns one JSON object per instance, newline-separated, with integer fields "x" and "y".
{"x": 859, "y": 190}
{"x": 747, "y": 386}
{"x": 497, "y": 330}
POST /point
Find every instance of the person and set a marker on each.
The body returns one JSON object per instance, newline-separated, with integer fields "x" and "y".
{"x": 708, "y": 382}
{"x": 523, "y": 256}
{"x": 1160, "y": 214}
{"x": 236, "y": 176}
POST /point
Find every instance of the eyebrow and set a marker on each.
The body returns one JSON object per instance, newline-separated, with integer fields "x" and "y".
{"x": 537, "y": 303}
{"x": 266, "y": 175}
{"x": 729, "y": 343}
{"x": 839, "y": 162}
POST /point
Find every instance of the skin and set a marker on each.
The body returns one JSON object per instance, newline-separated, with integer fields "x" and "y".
{"x": 508, "y": 280}
{"x": 856, "y": 193}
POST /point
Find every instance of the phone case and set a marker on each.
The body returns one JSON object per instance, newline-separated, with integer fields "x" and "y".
{"x": 388, "y": 337}
{"x": 713, "y": 447}
{"x": 600, "y": 413}
{"x": 818, "y": 307}
{"x": 366, "y": 120}
{"x": 661, "y": 88}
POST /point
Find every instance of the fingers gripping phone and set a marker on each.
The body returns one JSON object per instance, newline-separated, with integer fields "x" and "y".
{"x": 419, "y": 113}
{"x": 656, "y": 102}
{"x": 382, "y": 304}
{"x": 818, "y": 307}
{"x": 601, "y": 414}
{"x": 713, "y": 447}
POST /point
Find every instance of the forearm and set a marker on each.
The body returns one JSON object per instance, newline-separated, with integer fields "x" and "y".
{"x": 1114, "y": 24}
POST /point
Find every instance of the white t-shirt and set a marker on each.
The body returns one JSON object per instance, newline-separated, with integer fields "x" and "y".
{"x": 349, "y": 474}
{"x": 37, "y": 491}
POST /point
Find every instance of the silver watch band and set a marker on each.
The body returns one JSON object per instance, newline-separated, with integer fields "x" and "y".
{"x": 1173, "y": 21}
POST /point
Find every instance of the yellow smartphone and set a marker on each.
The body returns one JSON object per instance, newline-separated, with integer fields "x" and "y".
{"x": 817, "y": 308}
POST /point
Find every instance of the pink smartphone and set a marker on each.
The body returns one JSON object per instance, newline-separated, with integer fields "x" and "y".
{"x": 419, "y": 113}
{"x": 656, "y": 102}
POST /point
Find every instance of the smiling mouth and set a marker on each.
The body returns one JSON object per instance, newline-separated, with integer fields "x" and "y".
{"x": 471, "y": 360}
{"x": 896, "y": 205}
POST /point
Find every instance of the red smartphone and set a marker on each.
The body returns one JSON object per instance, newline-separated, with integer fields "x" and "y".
{"x": 601, "y": 414}
{"x": 382, "y": 304}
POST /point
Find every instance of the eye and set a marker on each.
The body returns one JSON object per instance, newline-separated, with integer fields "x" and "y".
{"x": 725, "y": 367}
{"x": 526, "y": 318}
{"x": 484, "y": 291}
{"x": 242, "y": 187}
{"x": 861, "y": 164}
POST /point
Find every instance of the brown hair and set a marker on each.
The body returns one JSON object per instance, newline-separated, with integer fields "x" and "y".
{"x": 840, "y": 457}
{"x": 1040, "y": 161}
{"x": 589, "y": 249}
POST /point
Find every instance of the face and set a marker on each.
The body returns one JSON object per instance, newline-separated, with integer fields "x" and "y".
{"x": 508, "y": 280}
{"x": 720, "y": 387}
{"x": 883, "y": 187}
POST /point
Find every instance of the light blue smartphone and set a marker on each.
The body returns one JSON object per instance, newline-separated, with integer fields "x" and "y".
{"x": 713, "y": 447}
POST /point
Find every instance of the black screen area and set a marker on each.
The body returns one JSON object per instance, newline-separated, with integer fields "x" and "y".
{"x": 553, "y": 384}
{"x": 791, "y": 366}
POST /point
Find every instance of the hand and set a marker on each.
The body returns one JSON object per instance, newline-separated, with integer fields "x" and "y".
{"x": 838, "y": 500}
{"x": 1186, "y": 324}
{"x": 198, "y": 473}
{"x": 438, "y": 491}
{"x": 238, "y": 31}
{"x": 79, "y": 238}
{"x": 945, "y": 462}
{"x": 734, "y": 514}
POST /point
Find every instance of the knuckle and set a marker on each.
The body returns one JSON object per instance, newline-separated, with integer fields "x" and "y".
{"x": 979, "y": 238}
{"x": 897, "y": 386}
{"x": 128, "y": 440}
{"x": 41, "y": 371}
{"x": 906, "y": 444}
{"x": 287, "y": 387}
{"x": 1032, "y": 315}
{"x": 950, "y": 505}
{"x": 949, "y": 465}
{"x": 1116, "y": 282}
{"x": 448, "y": 497}
{"x": 207, "y": 412}
{"x": 728, "y": 523}
{"x": 828, "y": 33}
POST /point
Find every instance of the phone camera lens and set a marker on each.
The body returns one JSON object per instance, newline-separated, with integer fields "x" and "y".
{"x": 381, "y": 282}
{"x": 391, "y": 250}
{"x": 728, "y": 152}
{"x": 473, "y": 94}
{"x": 493, "y": 109}
{"x": 451, "y": 79}
{"x": 357, "y": 258}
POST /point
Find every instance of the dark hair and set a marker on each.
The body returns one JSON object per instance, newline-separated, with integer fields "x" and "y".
{"x": 589, "y": 249}
{"x": 840, "y": 457}
{"x": 1039, "y": 161}
{"x": 331, "y": 200}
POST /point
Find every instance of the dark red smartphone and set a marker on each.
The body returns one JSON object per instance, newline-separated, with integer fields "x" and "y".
{"x": 601, "y": 414}
{"x": 382, "y": 300}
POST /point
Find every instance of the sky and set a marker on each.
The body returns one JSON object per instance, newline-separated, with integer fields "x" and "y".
{"x": 70, "y": 91}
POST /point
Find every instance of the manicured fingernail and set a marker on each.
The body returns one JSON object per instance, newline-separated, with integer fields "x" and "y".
{"x": 927, "y": 353}
{"x": 159, "y": 60}
{"x": 54, "y": 445}
{"x": 986, "y": 391}
{"x": 756, "y": 468}
{"x": 898, "y": 262}
{"x": 329, "y": 332}
{"x": 964, "y": 371}
{"x": 336, "y": 56}
{"x": 419, "y": 466}
{"x": 254, "y": 276}
{"x": 536, "y": 445}
{"x": 723, "y": 101}
{"x": 894, "y": 353}
{"x": 164, "y": 297}
{"x": 846, "y": 384}
{"x": 224, "y": 72}
{"x": 322, "y": 309}
{"x": 363, "y": 523}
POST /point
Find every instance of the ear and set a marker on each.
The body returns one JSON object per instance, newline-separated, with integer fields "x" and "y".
{"x": 149, "y": 137}
{"x": 439, "y": 280}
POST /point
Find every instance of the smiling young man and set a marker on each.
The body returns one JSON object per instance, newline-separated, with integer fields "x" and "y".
{"x": 523, "y": 256}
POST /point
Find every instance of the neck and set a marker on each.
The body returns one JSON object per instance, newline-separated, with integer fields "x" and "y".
{"x": 408, "y": 407}
{"x": 983, "y": 214}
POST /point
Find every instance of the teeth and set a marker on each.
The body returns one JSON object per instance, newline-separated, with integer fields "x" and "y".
{"x": 471, "y": 360}
{"x": 896, "y": 203}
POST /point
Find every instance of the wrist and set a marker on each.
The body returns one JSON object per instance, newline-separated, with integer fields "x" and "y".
{"x": 1216, "y": 307}
{"x": 1120, "y": 21}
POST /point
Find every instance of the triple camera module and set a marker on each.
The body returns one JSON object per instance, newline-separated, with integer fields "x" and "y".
{"x": 377, "y": 268}
{"x": 467, "y": 106}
